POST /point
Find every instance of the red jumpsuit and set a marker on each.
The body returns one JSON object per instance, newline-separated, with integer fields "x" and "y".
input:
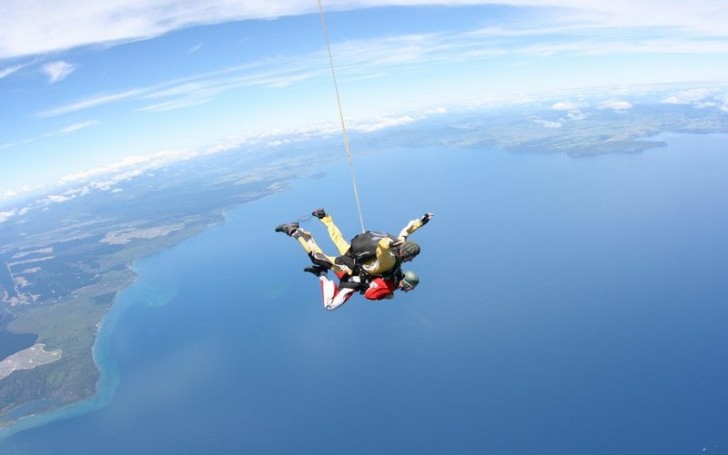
{"x": 335, "y": 296}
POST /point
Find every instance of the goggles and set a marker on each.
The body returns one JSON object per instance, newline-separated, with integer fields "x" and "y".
{"x": 407, "y": 286}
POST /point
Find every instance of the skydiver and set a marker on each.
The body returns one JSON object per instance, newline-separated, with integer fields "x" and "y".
{"x": 374, "y": 289}
{"x": 374, "y": 253}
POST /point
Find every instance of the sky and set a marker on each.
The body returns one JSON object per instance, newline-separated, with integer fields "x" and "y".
{"x": 123, "y": 84}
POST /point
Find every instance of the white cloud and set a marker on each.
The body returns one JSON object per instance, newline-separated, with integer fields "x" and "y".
{"x": 573, "y": 110}
{"x": 5, "y": 72}
{"x": 689, "y": 96}
{"x": 57, "y": 71}
{"x": 44, "y": 26}
{"x": 564, "y": 106}
{"x": 66, "y": 130}
{"x": 78, "y": 126}
{"x": 379, "y": 56}
{"x": 201, "y": 88}
{"x": 89, "y": 103}
{"x": 701, "y": 98}
{"x": 58, "y": 198}
{"x": 576, "y": 115}
{"x": 105, "y": 178}
{"x": 548, "y": 123}
{"x": 356, "y": 57}
{"x": 617, "y": 105}
{"x": 9, "y": 193}
{"x": 76, "y": 192}
{"x": 380, "y": 123}
{"x": 179, "y": 103}
{"x": 602, "y": 44}
{"x": 703, "y": 16}
{"x": 7, "y": 214}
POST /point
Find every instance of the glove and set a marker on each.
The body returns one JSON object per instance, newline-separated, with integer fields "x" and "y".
{"x": 426, "y": 217}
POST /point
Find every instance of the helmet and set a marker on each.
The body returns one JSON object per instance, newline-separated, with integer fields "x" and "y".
{"x": 410, "y": 280}
{"x": 409, "y": 250}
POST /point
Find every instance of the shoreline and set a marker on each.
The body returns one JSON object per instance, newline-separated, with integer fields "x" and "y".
{"x": 108, "y": 375}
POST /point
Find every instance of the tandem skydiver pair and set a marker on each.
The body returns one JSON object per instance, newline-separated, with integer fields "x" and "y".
{"x": 371, "y": 264}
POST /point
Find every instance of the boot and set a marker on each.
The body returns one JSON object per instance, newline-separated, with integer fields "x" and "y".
{"x": 319, "y": 213}
{"x": 316, "y": 270}
{"x": 287, "y": 228}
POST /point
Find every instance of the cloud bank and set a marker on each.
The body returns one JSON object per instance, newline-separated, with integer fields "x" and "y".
{"x": 45, "y": 26}
{"x": 110, "y": 177}
{"x": 700, "y": 98}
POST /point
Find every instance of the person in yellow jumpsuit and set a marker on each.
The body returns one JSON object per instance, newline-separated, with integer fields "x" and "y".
{"x": 372, "y": 253}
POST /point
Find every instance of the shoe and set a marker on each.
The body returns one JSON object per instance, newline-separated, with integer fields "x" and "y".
{"x": 287, "y": 228}
{"x": 319, "y": 213}
{"x": 316, "y": 270}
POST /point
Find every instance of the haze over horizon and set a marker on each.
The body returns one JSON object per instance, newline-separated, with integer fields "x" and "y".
{"x": 137, "y": 82}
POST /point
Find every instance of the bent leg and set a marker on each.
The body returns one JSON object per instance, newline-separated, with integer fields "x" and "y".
{"x": 341, "y": 244}
{"x": 333, "y": 297}
{"x": 309, "y": 245}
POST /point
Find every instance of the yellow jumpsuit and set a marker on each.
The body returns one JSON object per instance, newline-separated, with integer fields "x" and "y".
{"x": 384, "y": 260}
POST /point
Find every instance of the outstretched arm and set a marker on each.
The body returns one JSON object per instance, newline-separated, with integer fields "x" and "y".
{"x": 413, "y": 225}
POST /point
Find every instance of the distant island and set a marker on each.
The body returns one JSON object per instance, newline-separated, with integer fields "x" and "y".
{"x": 66, "y": 254}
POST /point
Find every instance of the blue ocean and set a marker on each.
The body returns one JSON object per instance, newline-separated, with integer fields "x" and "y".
{"x": 567, "y": 306}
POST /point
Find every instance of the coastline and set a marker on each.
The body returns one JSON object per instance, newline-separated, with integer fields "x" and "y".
{"x": 108, "y": 374}
{"x": 100, "y": 350}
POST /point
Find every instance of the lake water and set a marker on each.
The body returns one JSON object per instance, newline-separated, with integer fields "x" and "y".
{"x": 566, "y": 306}
{"x": 10, "y": 342}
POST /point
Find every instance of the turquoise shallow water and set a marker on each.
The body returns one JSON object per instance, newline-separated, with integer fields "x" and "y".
{"x": 566, "y": 306}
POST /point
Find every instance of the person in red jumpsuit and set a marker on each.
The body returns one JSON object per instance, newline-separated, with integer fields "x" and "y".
{"x": 377, "y": 288}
